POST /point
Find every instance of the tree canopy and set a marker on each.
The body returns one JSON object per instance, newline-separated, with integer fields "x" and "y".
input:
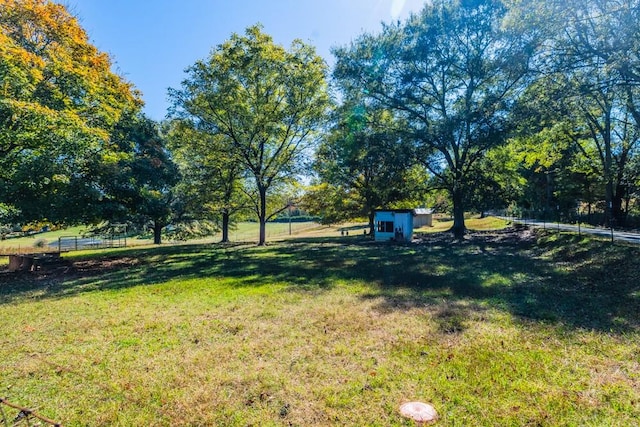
{"x": 533, "y": 105}
{"x": 452, "y": 72}
{"x": 59, "y": 101}
{"x": 213, "y": 180}
{"x": 268, "y": 103}
{"x": 366, "y": 162}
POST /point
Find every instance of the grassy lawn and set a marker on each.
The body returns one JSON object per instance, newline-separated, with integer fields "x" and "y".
{"x": 507, "y": 328}
{"x": 473, "y": 223}
{"x": 248, "y": 231}
{"x": 241, "y": 232}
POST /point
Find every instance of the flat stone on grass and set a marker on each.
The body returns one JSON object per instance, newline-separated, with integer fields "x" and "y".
{"x": 419, "y": 412}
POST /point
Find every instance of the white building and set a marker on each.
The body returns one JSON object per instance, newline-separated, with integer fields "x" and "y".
{"x": 423, "y": 218}
{"x": 393, "y": 225}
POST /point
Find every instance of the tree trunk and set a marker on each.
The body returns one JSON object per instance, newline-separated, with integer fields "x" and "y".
{"x": 225, "y": 226}
{"x": 458, "y": 228}
{"x": 157, "y": 233}
{"x": 609, "y": 207}
{"x": 608, "y": 170}
{"x": 262, "y": 216}
{"x": 619, "y": 213}
{"x": 371, "y": 224}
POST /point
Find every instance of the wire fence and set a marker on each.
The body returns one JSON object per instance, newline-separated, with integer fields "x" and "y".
{"x": 77, "y": 243}
{"x": 609, "y": 233}
{"x": 15, "y": 415}
{"x": 243, "y": 232}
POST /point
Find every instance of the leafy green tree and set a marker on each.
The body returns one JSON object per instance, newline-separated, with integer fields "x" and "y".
{"x": 544, "y": 148}
{"x": 139, "y": 186}
{"x": 368, "y": 161}
{"x": 608, "y": 95}
{"x": 452, "y": 72}
{"x": 333, "y": 204}
{"x": 59, "y": 101}
{"x": 267, "y": 101}
{"x": 497, "y": 180}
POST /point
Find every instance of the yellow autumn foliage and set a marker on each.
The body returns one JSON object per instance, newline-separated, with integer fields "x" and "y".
{"x": 52, "y": 79}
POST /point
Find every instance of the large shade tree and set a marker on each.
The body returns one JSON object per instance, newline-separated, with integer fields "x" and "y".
{"x": 579, "y": 119}
{"x": 267, "y": 102}
{"x": 452, "y": 72}
{"x": 138, "y": 186}
{"x": 59, "y": 101}
{"x": 364, "y": 163}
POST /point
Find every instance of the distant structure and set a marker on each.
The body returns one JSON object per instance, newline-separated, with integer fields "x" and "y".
{"x": 393, "y": 225}
{"x": 423, "y": 218}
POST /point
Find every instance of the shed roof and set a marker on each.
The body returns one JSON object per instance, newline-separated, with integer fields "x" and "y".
{"x": 411, "y": 211}
{"x": 423, "y": 211}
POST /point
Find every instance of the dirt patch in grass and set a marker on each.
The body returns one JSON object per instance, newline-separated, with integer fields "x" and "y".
{"x": 519, "y": 235}
{"x": 96, "y": 266}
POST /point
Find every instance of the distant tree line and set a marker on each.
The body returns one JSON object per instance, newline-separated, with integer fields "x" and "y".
{"x": 468, "y": 105}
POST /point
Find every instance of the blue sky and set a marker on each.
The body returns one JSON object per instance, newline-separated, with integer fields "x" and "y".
{"x": 153, "y": 41}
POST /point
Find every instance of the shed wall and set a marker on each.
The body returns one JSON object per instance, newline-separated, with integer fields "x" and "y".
{"x": 390, "y": 225}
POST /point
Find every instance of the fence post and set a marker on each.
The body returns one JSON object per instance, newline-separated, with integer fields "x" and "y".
{"x": 611, "y": 231}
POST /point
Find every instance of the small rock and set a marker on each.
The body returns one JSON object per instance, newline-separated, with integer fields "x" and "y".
{"x": 419, "y": 412}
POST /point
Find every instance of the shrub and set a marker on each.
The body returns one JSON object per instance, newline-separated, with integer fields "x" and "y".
{"x": 40, "y": 243}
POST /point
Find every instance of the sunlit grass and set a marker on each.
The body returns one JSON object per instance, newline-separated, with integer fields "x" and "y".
{"x": 241, "y": 232}
{"x": 474, "y": 223}
{"x": 330, "y": 331}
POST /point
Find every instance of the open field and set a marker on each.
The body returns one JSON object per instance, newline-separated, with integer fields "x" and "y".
{"x": 472, "y": 223}
{"x": 29, "y": 243}
{"x": 243, "y": 232}
{"x": 511, "y": 327}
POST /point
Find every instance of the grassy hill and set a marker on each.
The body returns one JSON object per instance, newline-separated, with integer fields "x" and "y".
{"x": 510, "y": 327}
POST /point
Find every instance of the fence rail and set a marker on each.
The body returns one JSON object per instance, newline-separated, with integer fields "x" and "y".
{"x": 77, "y": 243}
{"x": 580, "y": 228}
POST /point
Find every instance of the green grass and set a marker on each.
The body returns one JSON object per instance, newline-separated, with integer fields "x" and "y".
{"x": 248, "y": 231}
{"x": 472, "y": 223}
{"x": 498, "y": 329}
{"x": 241, "y": 232}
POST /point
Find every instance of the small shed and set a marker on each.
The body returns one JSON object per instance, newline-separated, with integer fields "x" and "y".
{"x": 393, "y": 224}
{"x": 423, "y": 218}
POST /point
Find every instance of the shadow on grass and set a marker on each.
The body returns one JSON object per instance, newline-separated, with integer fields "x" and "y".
{"x": 559, "y": 279}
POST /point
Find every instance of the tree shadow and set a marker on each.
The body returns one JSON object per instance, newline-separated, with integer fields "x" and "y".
{"x": 565, "y": 279}
{"x": 571, "y": 281}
